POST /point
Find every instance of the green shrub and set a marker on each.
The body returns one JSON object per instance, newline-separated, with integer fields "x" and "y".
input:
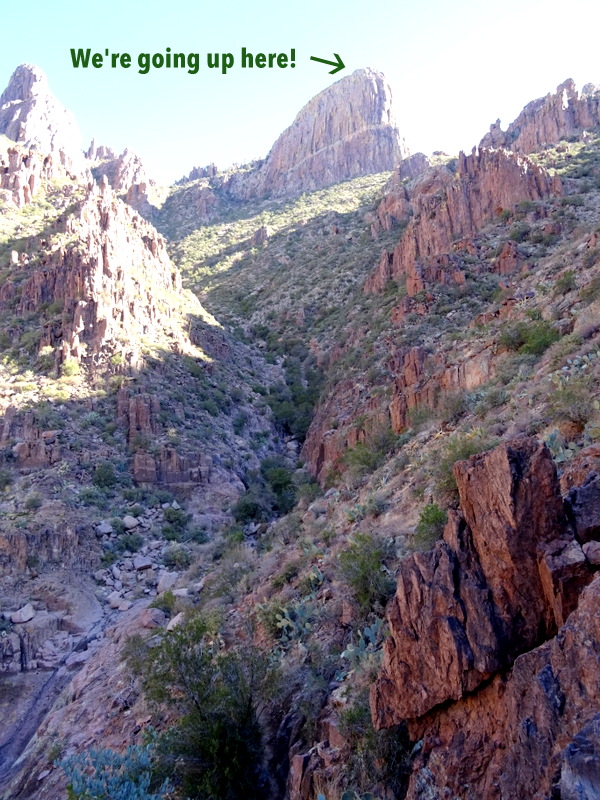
{"x": 452, "y": 406}
{"x": 566, "y": 283}
{"x": 520, "y": 232}
{"x": 70, "y": 367}
{"x": 362, "y": 566}
{"x": 591, "y": 290}
{"x": 33, "y": 502}
{"x": 129, "y": 541}
{"x": 6, "y": 479}
{"x": 365, "y": 457}
{"x": 430, "y": 526}
{"x": 165, "y": 602}
{"x": 177, "y": 558}
{"x": 576, "y": 401}
{"x": 251, "y": 507}
{"x": 376, "y": 758}
{"x": 215, "y": 749}
{"x": 104, "y": 475}
{"x": 530, "y": 338}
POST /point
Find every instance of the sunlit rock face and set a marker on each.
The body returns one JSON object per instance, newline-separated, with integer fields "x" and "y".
{"x": 32, "y": 116}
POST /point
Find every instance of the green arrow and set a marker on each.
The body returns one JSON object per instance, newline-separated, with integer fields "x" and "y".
{"x": 338, "y": 64}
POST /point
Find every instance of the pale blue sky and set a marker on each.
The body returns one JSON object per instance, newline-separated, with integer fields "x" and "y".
{"x": 454, "y": 66}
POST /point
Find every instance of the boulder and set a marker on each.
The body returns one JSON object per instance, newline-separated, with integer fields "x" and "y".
{"x": 166, "y": 581}
{"x": 152, "y": 618}
{"x": 24, "y": 614}
{"x": 142, "y": 562}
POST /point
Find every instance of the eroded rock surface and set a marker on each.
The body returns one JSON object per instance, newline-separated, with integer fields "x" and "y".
{"x": 444, "y": 207}
{"x": 32, "y": 116}
{"x": 345, "y": 131}
{"x": 549, "y": 119}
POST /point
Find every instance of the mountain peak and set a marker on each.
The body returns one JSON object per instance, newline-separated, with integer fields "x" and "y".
{"x": 345, "y": 131}
{"x": 31, "y": 115}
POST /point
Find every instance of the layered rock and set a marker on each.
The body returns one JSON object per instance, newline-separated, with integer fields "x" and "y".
{"x": 32, "y": 116}
{"x": 129, "y": 178}
{"x": 421, "y": 379}
{"x": 549, "y": 119}
{"x": 528, "y": 731}
{"x": 24, "y": 172}
{"x": 447, "y": 207}
{"x": 114, "y": 282}
{"x": 346, "y": 131}
{"x": 491, "y": 589}
{"x": 507, "y": 575}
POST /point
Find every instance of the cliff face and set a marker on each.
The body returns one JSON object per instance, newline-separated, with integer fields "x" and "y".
{"x": 109, "y": 275}
{"x": 24, "y": 171}
{"x": 547, "y": 120}
{"x": 505, "y": 577}
{"x": 345, "y": 131}
{"x": 32, "y": 116}
{"x": 445, "y": 207}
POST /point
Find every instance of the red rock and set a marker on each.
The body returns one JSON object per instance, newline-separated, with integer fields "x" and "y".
{"x": 499, "y": 583}
{"x": 548, "y": 120}
{"x": 509, "y": 259}
{"x": 448, "y": 205}
{"x": 511, "y": 738}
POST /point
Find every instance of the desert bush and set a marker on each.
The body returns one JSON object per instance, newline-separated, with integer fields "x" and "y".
{"x": 362, "y": 566}
{"x": 177, "y": 558}
{"x": 366, "y": 457}
{"x": 6, "y": 479}
{"x": 430, "y": 526}
{"x": 215, "y": 750}
{"x": 520, "y": 232}
{"x": 129, "y": 541}
{"x": 104, "y": 475}
{"x": 575, "y": 401}
{"x": 529, "y": 338}
{"x": 566, "y": 283}
{"x": 376, "y": 757}
{"x": 33, "y": 502}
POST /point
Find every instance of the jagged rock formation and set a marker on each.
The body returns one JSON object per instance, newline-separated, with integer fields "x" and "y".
{"x": 128, "y": 176}
{"x": 549, "y": 119}
{"x": 345, "y": 131}
{"x": 109, "y": 281}
{"x": 445, "y": 207}
{"x": 210, "y": 171}
{"x": 505, "y": 577}
{"x": 24, "y": 171}
{"x": 32, "y": 116}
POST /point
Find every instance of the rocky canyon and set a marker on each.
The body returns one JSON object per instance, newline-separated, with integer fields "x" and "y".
{"x": 300, "y": 461}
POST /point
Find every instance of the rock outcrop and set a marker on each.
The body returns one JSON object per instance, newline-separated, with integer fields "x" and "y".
{"x": 549, "y": 119}
{"x": 528, "y": 731}
{"x": 24, "y": 171}
{"x": 466, "y": 665}
{"x": 113, "y": 281}
{"x": 445, "y": 207}
{"x": 345, "y": 131}
{"x": 32, "y": 116}
{"x": 129, "y": 178}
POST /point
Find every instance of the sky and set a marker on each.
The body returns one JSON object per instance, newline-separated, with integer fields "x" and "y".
{"x": 454, "y": 67}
